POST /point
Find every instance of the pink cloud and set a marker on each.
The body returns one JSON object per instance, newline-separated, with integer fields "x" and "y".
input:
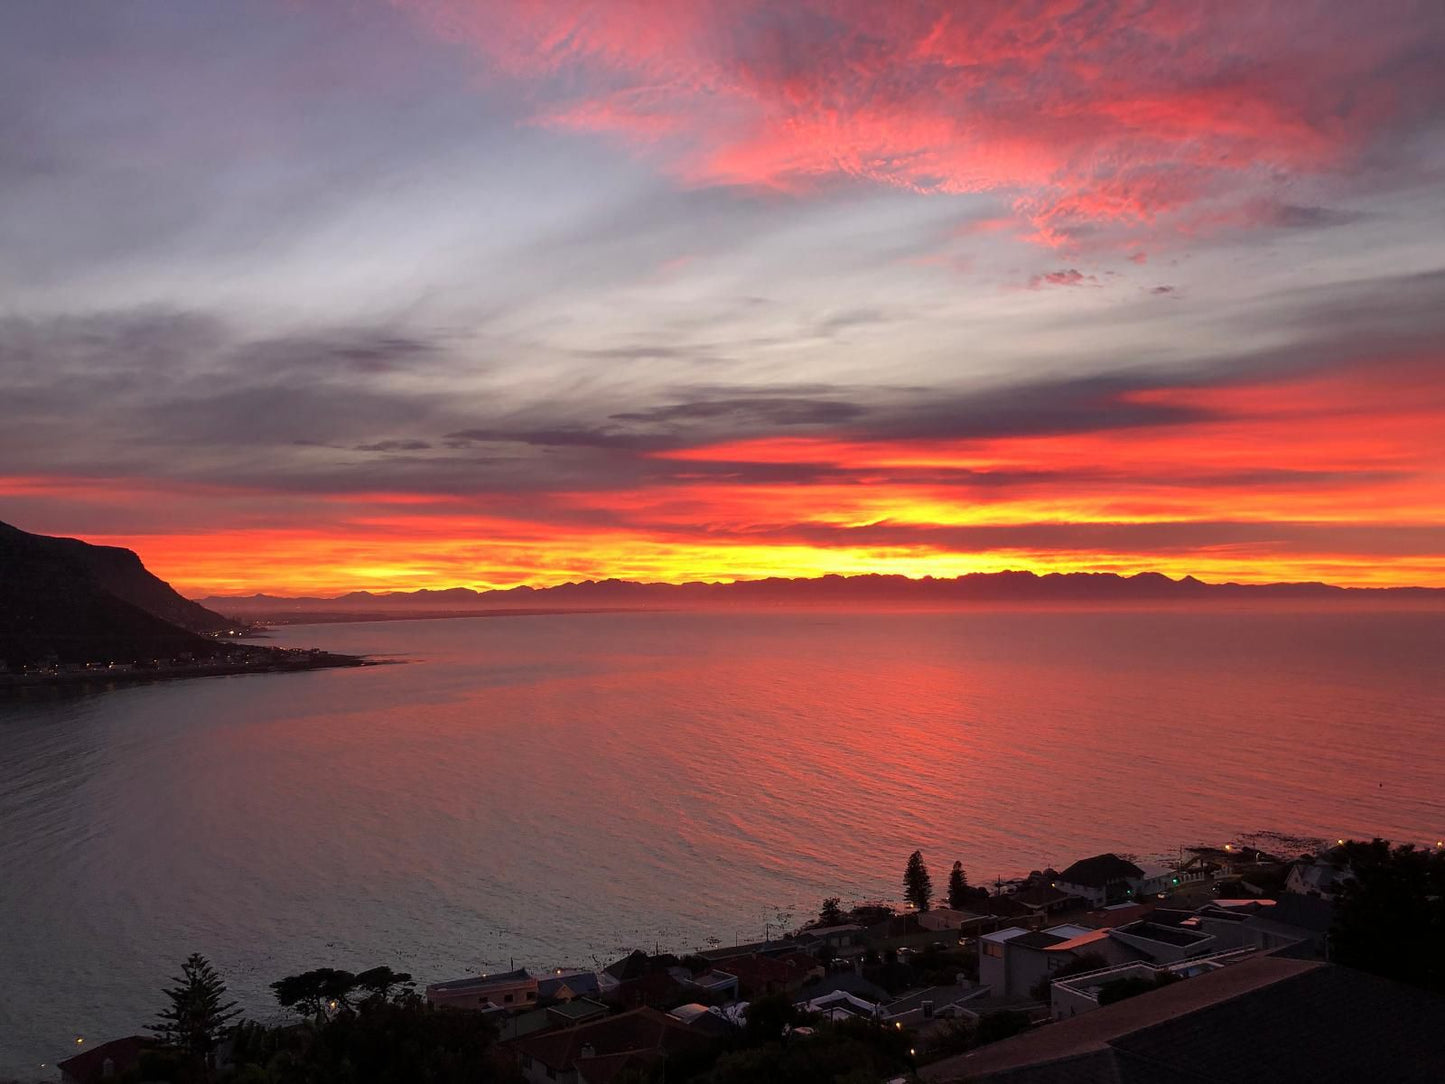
{"x": 1120, "y": 114}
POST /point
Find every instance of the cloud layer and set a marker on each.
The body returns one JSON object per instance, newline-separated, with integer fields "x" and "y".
{"x": 433, "y": 292}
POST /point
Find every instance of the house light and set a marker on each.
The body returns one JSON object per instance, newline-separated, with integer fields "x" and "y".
{"x": 78, "y": 1040}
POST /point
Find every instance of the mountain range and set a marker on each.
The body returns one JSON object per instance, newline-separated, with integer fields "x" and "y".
{"x": 867, "y": 590}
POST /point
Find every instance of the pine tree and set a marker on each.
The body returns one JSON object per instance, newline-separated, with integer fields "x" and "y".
{"x": 917, "y": 885}
{"x": 957, "y": 887}
{"x": 197, "y": 1015}
{"x": 831, "y": 913}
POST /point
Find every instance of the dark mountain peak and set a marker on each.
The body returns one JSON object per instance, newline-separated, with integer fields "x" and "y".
{"x": 77, "y": 602}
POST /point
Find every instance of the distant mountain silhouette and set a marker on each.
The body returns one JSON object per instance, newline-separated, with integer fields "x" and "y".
{"x": 996, "y": 587}
{"x": 84, "y": 603}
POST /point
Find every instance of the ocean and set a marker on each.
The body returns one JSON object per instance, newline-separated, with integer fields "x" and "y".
{"x": 557, "y": 790}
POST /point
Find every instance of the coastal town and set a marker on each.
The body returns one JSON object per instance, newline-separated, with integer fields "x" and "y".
{"x": 1236, "y": 963}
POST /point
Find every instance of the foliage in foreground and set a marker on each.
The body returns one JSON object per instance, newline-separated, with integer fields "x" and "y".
{"x": 1390, "y": 915}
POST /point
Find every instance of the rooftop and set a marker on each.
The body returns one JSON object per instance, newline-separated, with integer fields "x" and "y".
{"x": 1100, "y": 871}
{"x": 482, "y": 982}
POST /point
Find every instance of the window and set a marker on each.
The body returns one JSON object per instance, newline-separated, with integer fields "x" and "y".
{"x": 507, "y": 1000}
{"x": 531, "y": 995}
{"x": 993, "y": 948}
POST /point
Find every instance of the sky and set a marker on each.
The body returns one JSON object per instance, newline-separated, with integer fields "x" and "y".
{"x": 307, "y": 296}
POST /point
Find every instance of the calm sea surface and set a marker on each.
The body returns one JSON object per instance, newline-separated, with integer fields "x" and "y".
{"x": 559, "y": 790}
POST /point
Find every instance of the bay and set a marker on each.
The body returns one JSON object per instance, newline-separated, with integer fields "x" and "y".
{"x": 560, "y": 789}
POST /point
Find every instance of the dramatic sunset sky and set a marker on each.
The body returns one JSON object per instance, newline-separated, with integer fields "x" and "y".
{"x": 303, "y": 296}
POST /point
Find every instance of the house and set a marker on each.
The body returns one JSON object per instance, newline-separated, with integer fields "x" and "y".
{"x": 841, "y": 1005}
{"x": 1161, "y": 943}
{"x": 597, "y": 1052}
{"x": 1301, "y": 923}
{"x": 1117, "y": 914}
{"x": 1081, "y": 993}
{"x": 1104, "y": 878}
{"x": 757, "y": 975}
{"x": 639, "y": 979}
{"x": 1320, "y": 876}
{"x": 1013, "y": 962}
{"x": 715, "y": 986}
{"x": 106, "y": 1061}
{"x": 704, "y": 1019}
{"x": 947, "y": 920}
{"x": 1266, "y": 1019}
{"x": 507, "y": 990}
{"x": 566, "y": 985}
{"x": 920, "y": 1007}
{"x": 835, "y": 937}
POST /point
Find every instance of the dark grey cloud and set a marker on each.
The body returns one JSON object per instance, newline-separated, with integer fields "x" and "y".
{"x": 1293, "y": 216}
{"x": 750, "y": 412}
{"x": 394, "y": 446}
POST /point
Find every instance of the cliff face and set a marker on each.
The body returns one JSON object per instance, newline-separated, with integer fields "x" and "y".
{"x": 86, "y": 603}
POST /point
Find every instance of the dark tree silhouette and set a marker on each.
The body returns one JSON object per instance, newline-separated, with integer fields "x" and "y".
{"x": 917, "y": 885}
{"x": 957, "y": 887}
{"x": 379, "y": 982}
{"x": 314, "y": 993}
{"x": 831, "y": 914}
{"x": 198, "y": 1013}
{"x": 1390, "y": 913}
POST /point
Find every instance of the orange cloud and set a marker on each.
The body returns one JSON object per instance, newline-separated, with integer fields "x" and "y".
{"x": 1336, "y": 475}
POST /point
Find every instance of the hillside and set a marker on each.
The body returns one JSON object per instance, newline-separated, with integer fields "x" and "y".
{"x": 85, "y": 603}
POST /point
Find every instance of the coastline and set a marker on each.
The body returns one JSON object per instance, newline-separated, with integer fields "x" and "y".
{"x": 280, "y": 663}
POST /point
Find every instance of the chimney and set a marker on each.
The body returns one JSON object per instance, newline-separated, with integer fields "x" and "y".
{"x": 928, "y": 1010}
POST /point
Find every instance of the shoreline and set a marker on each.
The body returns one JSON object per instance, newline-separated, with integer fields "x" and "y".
{"x": 300, "y": 663}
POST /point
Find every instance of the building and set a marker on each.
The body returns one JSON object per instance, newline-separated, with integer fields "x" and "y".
{"x": 1266, "y": 1019}
{"x": 508, "y": 990}
{"x": 105, "y": 1061}
{"x": 566, "y": 985}
{"x": 757, "y": 975}
{"x": 595, "y": 1053}
{"x": 841, "y": 1005}
{"x": 1081, "y": 993}
{"x": 1104, "y": 878}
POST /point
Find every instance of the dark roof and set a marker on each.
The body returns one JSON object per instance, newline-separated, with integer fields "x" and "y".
{"x": 848, "y": 981}
{"x": 1265, "y": 1019}
{"x": 482, "y": 981}
{"x": 1306, "y": 912}
{"x": 1167, "y": 935}
{"x": 1036, "y": 939}
{"x": 89, "y": 1065}
{"x": 1100, "y": 871}
{"x": 1042, "y": 896}
{"x": 579, "y": 982}
{"x": 632, "y": 966}
{"x": 639, "y": 1030}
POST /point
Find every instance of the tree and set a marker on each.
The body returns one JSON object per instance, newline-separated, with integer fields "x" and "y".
{"x": 917, "y": 885}
{"x": 378, "y": 982}
{"x": 958, "y": 893}
{"x": 831, "y": 914}
{"x": 768, "y": 1017}
{"x": 314, "y": 993}
{"x": 198, "y": 1012}
{"x": 1390, "y": 913}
